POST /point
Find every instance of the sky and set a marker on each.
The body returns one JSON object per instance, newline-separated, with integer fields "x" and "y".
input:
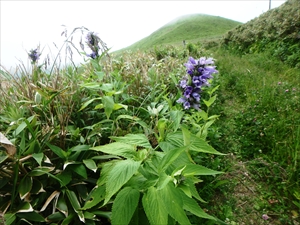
{"x": 24, "y": 25}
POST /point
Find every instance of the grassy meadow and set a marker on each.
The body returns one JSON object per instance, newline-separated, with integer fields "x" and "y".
{"x": 108, "y": 142}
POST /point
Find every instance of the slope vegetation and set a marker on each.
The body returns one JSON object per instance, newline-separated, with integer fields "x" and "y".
{"x": 193, "y": 27}
{"x": 276, "y": 31}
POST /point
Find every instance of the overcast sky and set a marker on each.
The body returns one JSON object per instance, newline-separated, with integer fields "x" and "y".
{"x": 27, "y": 24}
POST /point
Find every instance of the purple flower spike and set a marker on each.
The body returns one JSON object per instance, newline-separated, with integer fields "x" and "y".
{"x": 200, "y": 72}
{"x": 34, "y": 55}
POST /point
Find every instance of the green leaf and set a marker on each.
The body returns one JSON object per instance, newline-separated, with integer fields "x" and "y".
{"x": 95, "y": 197}
{"x": 119, "y": 175}
{"x": 176, "y": 117}
{"x": 117, "y": 148}
{"x": 79, "y": 148}
{"x": 24, "y": 207}
{"x": 38, "y": 157}
{"x": 213, "y": 90}
{"x": 196, "y": 143}
{"x": 80, "y": 170}
{"x": 65, "y": 177}
{"x": 57, "y": 216}
{"x": 186, "y": 135}
{"x": 90, "y": 164}
{"x": 108, "y": 103}
{"x": 154, "y": 207}
{"x": 134, "y": 139}
{"x": 163, "y": 180}
{"x": 75, "y": 204}
{"x": 31, "y": 216}
{"x": 25, "y": 187}
{"x": 3, "y": 158}
{"x": 192, "y": 206}
{"x": 210, "y": 101}
{"x": 124, "y": 206}
{"x": 106, "y": 168}
{"x": 193, "y": 169}
{"x": 193, "y": 190}
{"x": 172, "y": 199}
{"x": 170, "y": 157}
{"x": 62, "y": 205}
{"x": 88, "y": 102}
{"x": 37, "y": 187}
{"x": 39, "y": 171}
{"x": 9, "y": 218}
{"x": 120, "y": 106}
{"x": 22, "y": 126}
{"x": 68, "y": 219}
{"x": 58, "y": 151}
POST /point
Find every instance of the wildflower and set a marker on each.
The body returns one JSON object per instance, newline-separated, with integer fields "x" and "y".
{"x": 93, "y": 55}
{"x": 265, "y": 217}
{"x": 92, "y": 41}
{"x": 198, "y": 74}
{"x": 34, "y": 55}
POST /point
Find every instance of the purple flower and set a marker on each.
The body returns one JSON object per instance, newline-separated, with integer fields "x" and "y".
{"x": 34, "y": 55}
{"x": 93, "y": 55}
{"x": 196, "y": 96}
{"x": 200, "y": 71}
{"x": 183, "y": 83}
{"x": 188, "y": 91}
{"x": 92, "y": 41}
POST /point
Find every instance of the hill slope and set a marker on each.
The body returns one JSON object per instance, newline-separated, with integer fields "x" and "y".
{"x": 193, "y": 27}
{"x": 276, "y": 31}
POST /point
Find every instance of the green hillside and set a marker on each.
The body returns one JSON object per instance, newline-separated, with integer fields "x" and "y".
{"x": 277, "y": 31}
{"x": 193, "y": 27}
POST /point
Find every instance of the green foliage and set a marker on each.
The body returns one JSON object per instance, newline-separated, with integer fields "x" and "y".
{"x": 275, "y": 32}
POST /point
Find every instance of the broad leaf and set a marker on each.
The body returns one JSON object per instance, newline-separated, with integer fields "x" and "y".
{"x": 9, "y": 218}
{"x": 163, "y": 180}
{"x": 24, "y": 207}
{"x": 170, "y": 157}
{"x": 62, "y": 206}
{"x": 192, "y": 206}
{"x": 108, "y": 103}
{"x": 75, "y": 204}
{"x": 172, "y": 199}
{"x": 134, "y": 139}
{"x": 193, "y": 169}
{"x": 119, "y": 175}
{"x": 124, "y": 206}
{"x": 25, "y": 186}
{"x": 117, "y": 148}
{"x": 58, "y": 151}
{"x": 31, "y": 216}
{"x": 196, "y": 144}
{"x": 90, "y": 164}
{"x": 176, "y": 117}
{"x": 154, "y": 207}
{"x": 89, "y": 102}
{"x": 38, "y": 157}
{"x": 39, "y": 171}
{"x": 96, "y": 196}
{"x": 57, "y": 216}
